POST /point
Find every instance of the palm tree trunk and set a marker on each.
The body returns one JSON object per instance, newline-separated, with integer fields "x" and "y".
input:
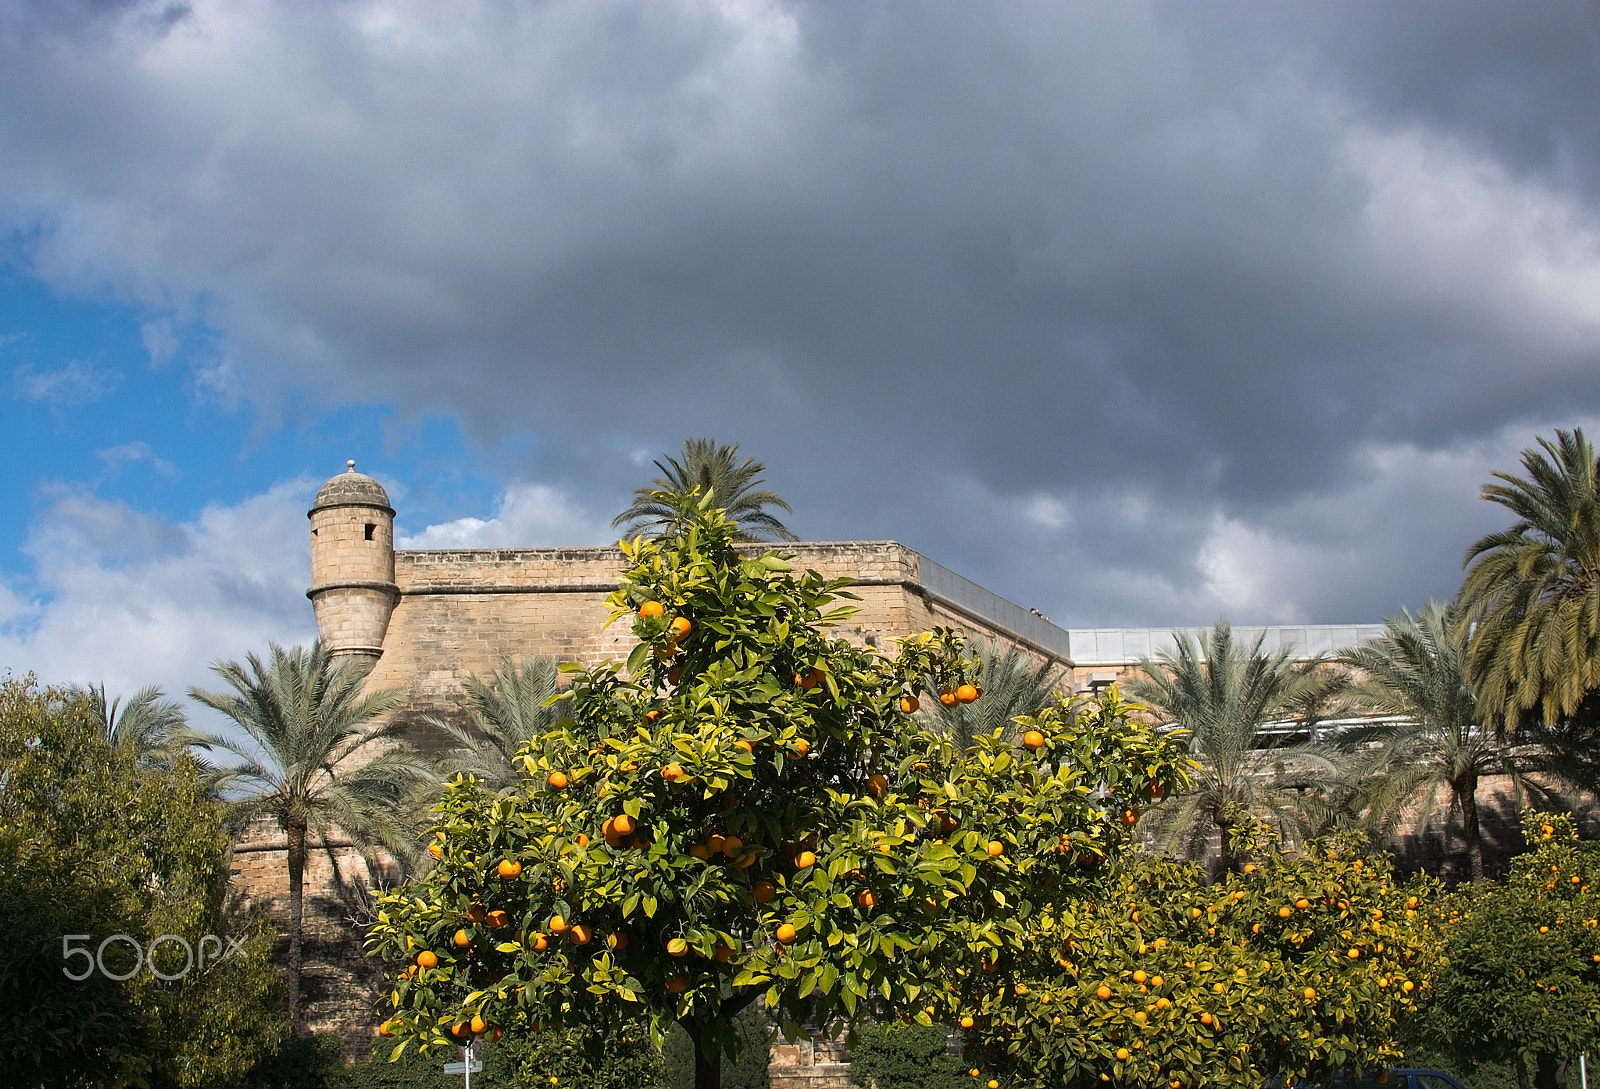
{"x": 296, "y": 831}
{"x": 1226, "y": 831}
{"x": 1466, "y": 791}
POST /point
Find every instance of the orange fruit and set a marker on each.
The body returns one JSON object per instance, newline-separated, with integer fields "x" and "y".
{"x": 724, "y": 953}
{"x": 581, "y": 840}
{"x": 947, "y": 698}
{"x": 540, "y": 942}
{"x": 510, "y": 868}
{"x": 700, "y": 851}
{"x": 675, "y": 674}
{"x": 557, "y": 780}
{"x": 652, "y": 608}
{"x": 1033, "y": 739}
{"x": 1103, "y": 993}
{"x": 1129, "y": 817}
{"x": 558, "y": 925}
{"x": 617, "y": 940}
{"x": 1408, "y": 986}
{"x": 1122, "y": 1054}
{"x": 478, "y": 1024}
{"x": 677, "y": 984}
{"x": 459, "y": 1030}
{"x": 805, "y": 860}
{"x": 428, "y": 959}
{"x": 967, "y": 1022}
{"x": 1354, "y": 953}
{"x": 477, "y": 913}
{"x": 763, "y": 891}
{"x": 580, "y": 934}
{"x": 678, "y": 947}
{"x": 1139, "y": 977}
{"x": 498, "y": 919}
{"x": 731, "y": 845}
{"x": 786, "y": 933}
{"x": 801, "y": 746}
{"x": 651, "y": 715}
{"x": 672, "y": 773}
{"x": 1285, "y": 912}
{"x": 462, "y": 939}
{"x": 435, "y": 850}
{"x": 867, "y": 899}
{"x": 623, "y": 825}
{"x": 745, "y": 745}
{"x": 876, "y": 785}
{"x": 679, "y": 628}
{"x": 1205, "y": 1019}
{"x": 966, "y": 693}
{"x": 996, "y": 848}
{"x": 716, "y": 842}
{"x": 386, "y": 1029}
{"x": 1311, "y": 994}
{"x": 1157, "y": 791}
{"x": 908, "y": 705}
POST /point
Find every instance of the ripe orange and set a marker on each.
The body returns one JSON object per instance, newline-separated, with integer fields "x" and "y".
{"x": 996, "y": 848}
{"x": 786, "y": 933}
{"x": 651, "y": 715}
{"x": 876, "y": 785}
{"x": 558, "y": 925}
{"x": 763, "y": 891}
{"x": 678, "y": 947}
{"x": 581, "y": 840}
{"x": 436, "y": 850}
{"x": 677, "y": 984}
{"x": 428, "y": 959}
{"x": 716, "y": 842}
{"x": 679, "y": 627}
{"x": 1205, "y": 1019}
{"x": 867, "y": 899}
{"x": 540, "y": 942}
{"x": 724, "y": 953}
{"x": 745, "y": 745}
{"x": 672, "y": 773}
{"x": 947, "y": 698}
{"x": 1103, "y": 993}
{"x": 477, "y": 913}
{"x": 801, "y": 746}
{"x": 675, "y": 674}
{"x": 966, "y": 693}
{"x": 1408, "y": 986}
{"x": 1139, "y": 977}
{"x": 1302, "y": 903}
{"x": 1311, "y": 994}
{"x": 623, "y": 824}
{"x": 908, "y": 705}
{"x": 1129, "y": 817}
{"x": 1033, "y": 739}
{"x": 479, "y": 1025}
{"x": 1285, "y": 912}
{"x": 462, "y": 939}
{"x": 498, "y": 919}
{"x": 805, "y": 860}
{"x": 966, "y": 1022}
{"x": 459, "y": 1031}
{"x": 731, "y": 845}
{"x": 580, "y": 934}
{"x": 1122, "y": 1054}
{"x": 557, "y": 780}
{"x": 1354, "y": 953}
{"x": 700, "y": 851}
{"x": 386, "y": 1029}
{"x": 652, "y": 608}
{"x": 509, "y": 868}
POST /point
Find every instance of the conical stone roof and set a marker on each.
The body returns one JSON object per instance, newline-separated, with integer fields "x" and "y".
{"x": 351, "y": 488}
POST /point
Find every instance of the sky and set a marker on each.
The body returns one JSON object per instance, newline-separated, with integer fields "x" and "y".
{"x": 1141, "y": 314}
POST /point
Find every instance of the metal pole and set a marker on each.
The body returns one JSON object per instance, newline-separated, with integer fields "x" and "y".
{"x": 468, "y": 1084}
{"x": 1583, "y": 1071}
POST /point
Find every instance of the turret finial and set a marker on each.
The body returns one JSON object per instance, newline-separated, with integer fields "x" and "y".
{"x": 350, "y": 466}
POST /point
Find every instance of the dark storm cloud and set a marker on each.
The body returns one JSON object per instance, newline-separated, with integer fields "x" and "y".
{"x": 1136, "y": 312}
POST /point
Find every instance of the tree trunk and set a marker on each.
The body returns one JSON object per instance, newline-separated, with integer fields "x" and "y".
{"x": 1545, "y": 1072}
{"x": 1466, "y": 790}
{"x": 296, "y": 831}
{"x": 707, "y": 1069}
{"x": 1226, "y": 831}
{"x": 1522, "y": 1074}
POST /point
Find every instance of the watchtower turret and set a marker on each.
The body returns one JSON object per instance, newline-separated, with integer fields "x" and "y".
{"x": 352, "y": 592}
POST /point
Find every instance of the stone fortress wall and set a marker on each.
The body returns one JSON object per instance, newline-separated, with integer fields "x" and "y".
{"x": 423, "y": 621}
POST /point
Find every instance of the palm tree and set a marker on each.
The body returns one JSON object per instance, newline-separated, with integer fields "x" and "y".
{"x": 1436, "y": 740}
{"x": 1226, "y": 695}
{"x": 1014, "y": 683}
{"x": 506, "y": 713}
{"x": 150, "y": 727}
{"x": 1532, "y": 592}
{"x": 317, "y": 759}
{"x": 730, "y": 483}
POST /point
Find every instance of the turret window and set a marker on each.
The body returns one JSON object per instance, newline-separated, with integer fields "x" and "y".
{"x": 370, "y": 530}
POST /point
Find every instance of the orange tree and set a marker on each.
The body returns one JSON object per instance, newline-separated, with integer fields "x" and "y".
{"x": 749, "y": 811}
{"x": 1298, "y": 965}
{"x": 1523, "y": 982}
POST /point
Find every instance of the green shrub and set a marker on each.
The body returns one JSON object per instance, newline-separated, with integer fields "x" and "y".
{"x": 905, "y": 1057}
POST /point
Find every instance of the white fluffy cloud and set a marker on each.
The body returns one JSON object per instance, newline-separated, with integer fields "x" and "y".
{"x": 121, "y": 597}
{"x": 526, "y": 516}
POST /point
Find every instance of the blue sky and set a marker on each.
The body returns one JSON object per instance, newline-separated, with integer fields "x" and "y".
{"x": 1138, "y": 313}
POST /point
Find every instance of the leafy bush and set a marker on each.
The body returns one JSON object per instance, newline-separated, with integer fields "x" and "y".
{"x": 905, "y": 1057}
